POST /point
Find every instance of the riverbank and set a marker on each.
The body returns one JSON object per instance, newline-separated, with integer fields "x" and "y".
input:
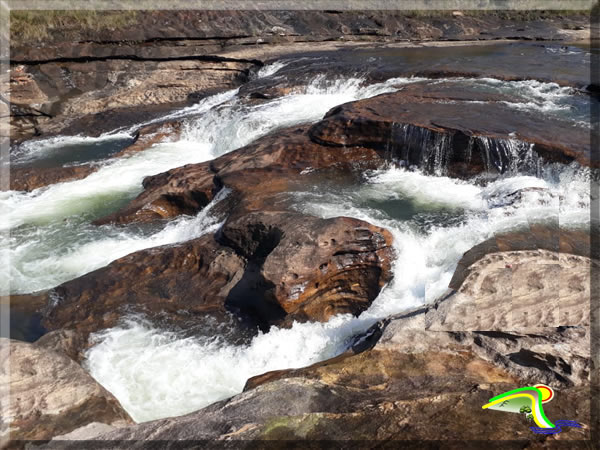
{"x": 377, "y": 235}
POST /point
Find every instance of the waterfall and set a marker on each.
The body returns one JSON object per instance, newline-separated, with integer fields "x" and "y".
{"x": 417, "y": 146}
{"x": 433, "y": 151}
{"x": 507, "y": 155}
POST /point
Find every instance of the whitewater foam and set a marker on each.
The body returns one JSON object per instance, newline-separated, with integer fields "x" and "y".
{"x": 225, "y": 124}
{"x": 156, "y": 373}
{"x": 51, "y": 255}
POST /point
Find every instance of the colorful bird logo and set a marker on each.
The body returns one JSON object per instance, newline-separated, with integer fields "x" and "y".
{"x": 529, "y": 401}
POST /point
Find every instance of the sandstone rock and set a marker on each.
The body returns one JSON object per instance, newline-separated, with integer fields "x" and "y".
{"x": 311, "y": 268}
{"x": 408, "y": 379}
{"x": 267, "y": 268}
{"x": 256, "y": 173}
{"x": 426, "y": 130}
{"x": 28, "y": 179}
{"x": 46, "y": 394}
{"x": 186, "y": 282}
{"x": 76, "y": 89}
{"x": 168, "y": 55}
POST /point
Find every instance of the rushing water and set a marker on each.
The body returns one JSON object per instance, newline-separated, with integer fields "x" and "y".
{"x": 156, "y": 373}
{"x": 52, "y": 240}
{"x": 434, "y": 220}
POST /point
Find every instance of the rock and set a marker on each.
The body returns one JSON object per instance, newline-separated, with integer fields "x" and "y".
{"x": 185, "y": 283}
{"x": 426, "y": 130}
{"x": 66, "y": 342}
{"x": 86, "y": 70}
{"x": 30, "y": 178}
{"x": 311, "y": 268}
{"x": 267, "y": 268}
{"x": 256, "y": 173}
{"x": 149, "y": 135}
{"x": 80, "y": 88}
{"x": 85, "y": 433}
{"x": 406, "y": 373}
{"x": 50, "y": 394}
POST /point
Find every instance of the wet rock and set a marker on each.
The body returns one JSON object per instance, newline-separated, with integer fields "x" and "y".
{"x": 84, "y": 88}
{"x": 265, "y": 268}
{"x": 257, "y": 173}
{"x": 311, "y": 268}
{"x": 426, "y": 130}
{"x": 182, "y": 282}
{"x": 169, "y": 55}
{"x": 409, "y": 371}
{"x": 50, "y": 394}
{"x": 28, "y": 179}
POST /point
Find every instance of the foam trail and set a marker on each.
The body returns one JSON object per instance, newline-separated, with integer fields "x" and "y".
{"x": 49, "y": 257}
{"x": 156, "y": 374}
{"x": 38, "y": 217}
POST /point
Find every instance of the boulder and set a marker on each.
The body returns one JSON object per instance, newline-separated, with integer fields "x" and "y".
{"x": 406, "y": 378}
{"x": 265, "y": 267}
{"x": 46, "y": 393}
{"x": 451, "y": 128}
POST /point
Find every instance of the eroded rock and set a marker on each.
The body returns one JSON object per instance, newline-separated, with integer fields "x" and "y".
{"x": 424, "y": 129}
{"x": 256, "y": 172}
{"x": 46, "y": 393}
{"x": 406, "y": 373}
{"x": 267, "y": 268}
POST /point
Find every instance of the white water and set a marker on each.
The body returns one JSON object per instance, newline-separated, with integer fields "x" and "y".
{"x": 41, "y": 259}
{"x": 551, "y": 99}
{"x": 157, "y": 374}
{"x": 55, "y": 212}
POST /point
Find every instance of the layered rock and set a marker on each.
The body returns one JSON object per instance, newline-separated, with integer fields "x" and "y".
{"x": 46, "y": 393}
{"x": 426, "y": 373}
{"x": 423, "y": 128}
{"x": 30, "y": 178}
{"x": 256, "y": 172}
{"x": 160, "y": 57}
{"x": 66, "y": 91}
{"x": 267, "y": 268}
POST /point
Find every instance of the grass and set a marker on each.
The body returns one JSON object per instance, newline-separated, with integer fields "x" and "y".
{"x": 37, "y": 25}
{"x": 30, "y": 26}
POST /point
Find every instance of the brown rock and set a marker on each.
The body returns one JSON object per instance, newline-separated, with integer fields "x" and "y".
{"x": 50, "y": 394}
{"x": 28, "y": 179}
{"x": 256, "y": 173}
{"x": 183, "y": 282}
{"x": 408, "y": 373}
{"x": 426, "y": 130}
{"x": 264, "y": 267}
{"x": 311, "y": 268}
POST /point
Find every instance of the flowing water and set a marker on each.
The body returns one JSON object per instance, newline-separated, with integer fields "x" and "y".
{"x": 434, "y": 220}
{"x": 51, "y": 238}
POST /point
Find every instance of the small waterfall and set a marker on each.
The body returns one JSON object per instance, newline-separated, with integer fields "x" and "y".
{"x": 506, "y": 155}
{"x": 433, "y": 151}
{"x": 417, "y": 146}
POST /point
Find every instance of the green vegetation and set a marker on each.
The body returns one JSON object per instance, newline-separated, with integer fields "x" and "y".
{"x": 37, "y": 25}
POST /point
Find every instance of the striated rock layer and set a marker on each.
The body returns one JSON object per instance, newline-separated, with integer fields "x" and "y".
{"x": 424, "y": 374}
{"x": 45, "y": 393}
